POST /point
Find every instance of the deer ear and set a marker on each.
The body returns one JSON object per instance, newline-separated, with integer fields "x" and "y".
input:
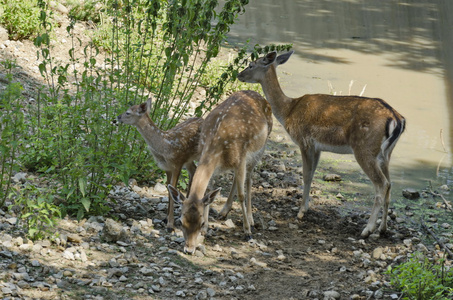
{"x": 142, "y": 108}
{"x": 175, "y": 194}
{"x": 209, "y": 198}
{"x": 281, "y": 59}
{"x": 149, "y": 104}
{"x": 270, "y": 58}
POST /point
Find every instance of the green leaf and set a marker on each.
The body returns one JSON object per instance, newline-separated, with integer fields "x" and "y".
{"x": 82, "y": 185}
{"x": 86, "y": 203}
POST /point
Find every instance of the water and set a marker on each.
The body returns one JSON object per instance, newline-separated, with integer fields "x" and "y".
{"x": 400, "y": 51}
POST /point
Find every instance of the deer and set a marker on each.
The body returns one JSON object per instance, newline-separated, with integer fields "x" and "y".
{"x": 172, "y": 149}
{"x": 233, "y": 137}
{"x": 368, "y": 128}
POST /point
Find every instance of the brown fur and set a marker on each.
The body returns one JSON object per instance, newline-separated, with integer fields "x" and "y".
{"x": 367, "y": 127}
{"x": 232, "y": 137}
{"x": 172, "y": 149}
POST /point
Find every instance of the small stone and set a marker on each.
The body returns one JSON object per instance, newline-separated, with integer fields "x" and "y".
{"x": 446, "y": 225}
{"x": 407, "y": 242}
{"x": 378, "y": 294}
{"x": 411, "y": 194}
{"x": 217, "y": 248}
{"x": 21, "y": 276}
{"x": 229, "y": 223}
{"x": 155, "y": 288}
{"x": 422, "y": 248}
{"x": 328, "y": 295}
{"x": 211, "y": 292}
{"x": 444, "y": 187}
{"x": 68, "y": 255}
{"x": 161, "y": 207}
{"x": 160, "y": 188}
{"x": 11, "y": 221}
{"x": 377, "y": 253}
{"x": 332, "y": 177}
{"x": 253, "y": 261}
{"x": 20, "y": 177}
{"x": 202, "y": 295}
{"x": 180, "y": 294}
{"x": 146, "y": 271}
{"x": 73, "y": 238}
{"x": 35, "y": 263}
{"x": 293, "y": 226}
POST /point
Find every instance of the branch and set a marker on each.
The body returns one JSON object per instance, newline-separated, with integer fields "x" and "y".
{"x": 447, "y": 205}
{"x": 441, "y": 244}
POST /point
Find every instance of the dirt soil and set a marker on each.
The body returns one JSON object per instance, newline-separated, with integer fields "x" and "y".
{"x": 319, "y": 257}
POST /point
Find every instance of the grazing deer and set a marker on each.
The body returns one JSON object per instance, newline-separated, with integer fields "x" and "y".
{"x": 233, "y": 137}
{"x": 172, "y": 150}
{"x": 366, "y": 127}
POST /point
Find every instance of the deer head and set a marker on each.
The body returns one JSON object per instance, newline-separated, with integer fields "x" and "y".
{"x": 192, "y": 215}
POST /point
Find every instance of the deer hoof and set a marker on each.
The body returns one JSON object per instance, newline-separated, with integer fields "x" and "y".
{"x": 365, "y": 233}
{"x": 222, "y": 217}
{"x": 248, "y": 237}
{"x": 170, "y": 229}
{"x": 300, "y": 215}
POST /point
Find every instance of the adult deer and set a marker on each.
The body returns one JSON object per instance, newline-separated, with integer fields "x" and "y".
{"x": 233, "y": 137}
{"x": 172, "y": 150}
{"x": 366, "y": 127}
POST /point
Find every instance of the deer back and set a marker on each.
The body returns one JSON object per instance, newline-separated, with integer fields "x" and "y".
{"x": 238, "y": 126}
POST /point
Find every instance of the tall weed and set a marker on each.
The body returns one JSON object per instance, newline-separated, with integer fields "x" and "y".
{"x": 154, "y": 47}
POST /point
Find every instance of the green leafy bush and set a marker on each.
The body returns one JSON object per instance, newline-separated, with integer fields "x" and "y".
{"x": 12, "y": 132}
{"x": 37, "y": 213}
{"x": 420, "y": 279}
{"x": 20, "y": 18}
{"x": 158, "y": 47}
{"x": 88, "y": 10}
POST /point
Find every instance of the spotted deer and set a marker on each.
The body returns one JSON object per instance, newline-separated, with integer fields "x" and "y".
{"x": 366, "y": 127}
{"x": 233, "y": 137}
{"x": 172, "y": 150}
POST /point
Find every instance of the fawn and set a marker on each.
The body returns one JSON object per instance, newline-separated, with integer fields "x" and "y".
{"x": 172, "y": 149}
{"x": 367, "y": 127}
{"x": 233, "y": 137}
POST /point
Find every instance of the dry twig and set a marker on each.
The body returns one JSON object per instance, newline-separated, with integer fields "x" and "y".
{"x": 441, "y": 244}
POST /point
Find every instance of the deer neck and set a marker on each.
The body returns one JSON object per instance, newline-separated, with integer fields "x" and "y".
{"x": 280, "y": 103}
{"x": 152, "y": 134}
{"x": 201, "y": 179}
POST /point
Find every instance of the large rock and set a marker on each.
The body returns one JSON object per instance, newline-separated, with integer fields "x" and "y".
{"x": 113, "y": 232}
{"x": 3, "y": 34}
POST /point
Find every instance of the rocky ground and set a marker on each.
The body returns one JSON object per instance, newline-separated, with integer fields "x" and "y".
{"x": 129, "y": 255}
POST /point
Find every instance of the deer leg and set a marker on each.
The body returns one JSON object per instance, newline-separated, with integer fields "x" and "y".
{"x": 310, "y": 159}
{"x": 372, "y": 168}
{"x": 229, "y": 203}
{"x": 174, "y": 175}
{"x": 191, "y": 168}
{"x": 239, "y": 178}
{"x": 248, "y": 191}
{"x": 385, "y": 170}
